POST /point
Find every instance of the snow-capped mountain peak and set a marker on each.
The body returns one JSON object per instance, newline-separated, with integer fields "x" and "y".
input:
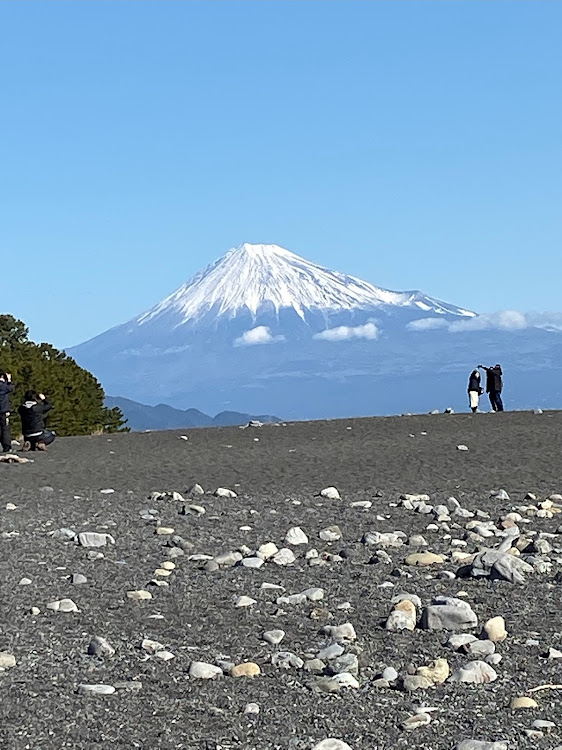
{"x": 257, "y": 276}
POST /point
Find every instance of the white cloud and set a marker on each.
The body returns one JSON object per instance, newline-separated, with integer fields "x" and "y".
{"x": 545, "y": 319}
{"x": 504, "y": 320}
{"x": 258, "y": 335}
{"x": 343, "y": 333}
{"x": 427, "y": 324}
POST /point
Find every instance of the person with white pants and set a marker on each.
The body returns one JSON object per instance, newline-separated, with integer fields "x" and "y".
{"x": 474, "y": 390}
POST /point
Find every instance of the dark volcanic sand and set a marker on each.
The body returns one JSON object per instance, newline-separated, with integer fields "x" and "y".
{"x": 40, "y": 709}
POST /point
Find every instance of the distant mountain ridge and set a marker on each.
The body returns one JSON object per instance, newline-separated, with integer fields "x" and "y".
{"x": 164, "y": 417}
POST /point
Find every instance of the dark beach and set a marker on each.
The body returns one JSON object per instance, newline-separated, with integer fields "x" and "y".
{"x": 271, "y": 469}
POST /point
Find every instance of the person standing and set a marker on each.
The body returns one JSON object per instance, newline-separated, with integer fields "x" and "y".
{"x": 494, "y": 385}
{"x": 6, "y": 387}
{"x": 32, "y": 413}
{"x": 474, "y": 390}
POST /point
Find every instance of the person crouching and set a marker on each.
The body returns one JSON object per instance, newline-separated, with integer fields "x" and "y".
{"x": 32, "y": 414}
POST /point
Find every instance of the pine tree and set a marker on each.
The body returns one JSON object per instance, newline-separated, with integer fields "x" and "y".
{"x": 76, "y": 395}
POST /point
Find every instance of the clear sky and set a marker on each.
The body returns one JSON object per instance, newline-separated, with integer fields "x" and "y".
{"x": 412, "y": 144}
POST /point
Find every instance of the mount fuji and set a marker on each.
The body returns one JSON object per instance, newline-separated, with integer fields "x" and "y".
{"x": 264, "y": 330}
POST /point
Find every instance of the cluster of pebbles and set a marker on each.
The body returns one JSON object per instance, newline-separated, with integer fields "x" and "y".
{"x": 397, "y": 605}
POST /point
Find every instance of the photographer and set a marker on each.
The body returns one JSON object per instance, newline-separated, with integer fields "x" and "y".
{"x": 6, "y": 387}
{"x": 32, "y": 413}
{"x": 494, "y": 385}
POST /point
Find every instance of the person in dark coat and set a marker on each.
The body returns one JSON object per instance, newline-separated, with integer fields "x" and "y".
{"x": 474, "y": 390}
{"x": 32, "y": 413}
{"x": 6, "y": 387}
{"x": 494, "y": 385}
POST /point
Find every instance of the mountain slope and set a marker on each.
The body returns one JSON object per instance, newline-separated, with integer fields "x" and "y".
{"x": 264, "y": 331}
{"x": 268, "y": 277}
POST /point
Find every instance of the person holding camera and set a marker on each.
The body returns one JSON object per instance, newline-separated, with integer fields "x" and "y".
{"x": 494, "y": 385}
{"x": 32, "y": 413}
{"x": 6, "y": 387}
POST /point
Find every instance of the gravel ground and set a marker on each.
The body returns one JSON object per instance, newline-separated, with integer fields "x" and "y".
{"x": 271, "y": 469}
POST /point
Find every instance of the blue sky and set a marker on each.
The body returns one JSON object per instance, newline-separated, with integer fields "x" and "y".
{"x": 412, "y": 144}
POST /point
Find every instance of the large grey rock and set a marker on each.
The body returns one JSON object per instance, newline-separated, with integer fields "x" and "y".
{"x": 345, "y": 663}
{"x": 479, "y": 648}
{"x": 448, "y": 613}
{"x": 94, "y": 539}
{"x": 481, "y": 745}
{"x": 500, "y": 565}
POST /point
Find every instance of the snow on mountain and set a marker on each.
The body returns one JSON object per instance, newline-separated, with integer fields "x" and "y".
{"x": 251, "y": 278}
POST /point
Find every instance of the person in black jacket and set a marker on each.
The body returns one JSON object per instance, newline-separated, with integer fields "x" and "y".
{"x": 32, "y": 413}
{"x": 494, "y": 385}
{"x": 474, "y": 390}
{"x": 6, "y": 387}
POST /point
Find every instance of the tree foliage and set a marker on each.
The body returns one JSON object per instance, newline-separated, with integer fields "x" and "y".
{"x": 76, "y": 395}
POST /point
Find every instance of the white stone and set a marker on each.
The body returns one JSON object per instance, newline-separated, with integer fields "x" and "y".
{"x": 267, "y": 550}
{"x": 96, "y": 689}
{"x": 345, "y": 632}
{"x": 415, "y": 721}
{"x": 7, "y": 660}
{"x": 63, "y": 605}
{"x": 330, "y": 534}
{"x": 224, "y": 492}
{"x": 345, "y": 679}
{"x": 244, "y": 601}
{"x": 285, "y": 556}
{"x": 475, "y": 672}
{"x": 295, "y": 536}
{"x": 331, "y": 744}
{"x": 164, "y": 655}
{"x": 390, "y": 674}
{"x": 139, "y": 595}
{"x": 273, "y": 637}
{"x": 150, "y": 646}
{"x": 330, "y": 493}
{"x": 204, "y": 671}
